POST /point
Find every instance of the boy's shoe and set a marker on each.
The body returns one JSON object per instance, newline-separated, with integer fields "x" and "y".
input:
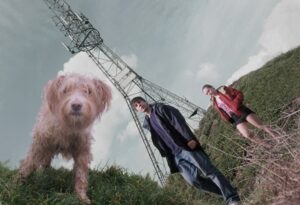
{"x": 234, "y": 203}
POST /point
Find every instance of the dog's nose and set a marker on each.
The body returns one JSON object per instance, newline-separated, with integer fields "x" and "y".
{"x": 76, "y": 106}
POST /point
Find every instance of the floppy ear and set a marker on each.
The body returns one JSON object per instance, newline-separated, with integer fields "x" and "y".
{"x": 51, "y": 92}
{"x": 104, "y": 93}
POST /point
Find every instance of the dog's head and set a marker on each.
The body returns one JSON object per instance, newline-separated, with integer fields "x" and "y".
{"x": 77, "y": 100}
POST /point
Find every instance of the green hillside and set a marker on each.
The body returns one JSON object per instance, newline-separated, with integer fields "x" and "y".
{"x": 263, "y": 177}
{"x": 112, "y": 186}
{"x": 266, "y": 90}
{"x": 269, "y": 91}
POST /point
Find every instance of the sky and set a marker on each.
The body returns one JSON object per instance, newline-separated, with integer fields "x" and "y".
{"x": 179, "y": 45}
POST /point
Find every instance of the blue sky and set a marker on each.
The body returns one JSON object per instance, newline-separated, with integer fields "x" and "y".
{"x": 177, "y": 44}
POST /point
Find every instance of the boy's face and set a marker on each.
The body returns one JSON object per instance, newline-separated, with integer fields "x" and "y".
{"x": 141, "y": 106}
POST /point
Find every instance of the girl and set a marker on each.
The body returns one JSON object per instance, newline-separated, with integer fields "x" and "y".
{"x": 229, "y": 103}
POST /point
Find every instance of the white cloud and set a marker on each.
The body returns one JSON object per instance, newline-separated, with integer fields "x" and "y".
{"x": 204, "y": 72}
{"x": 117, "y": 123}
{"x": 281, "y": 33}
{"x": 82, "y": 64}
{"x": 103, "y": 130}
{"x": 207, "y": 72}
{"x": 131, "y": 60}
{"x": 59, "y": 161}
{"x": 130, "y": 132}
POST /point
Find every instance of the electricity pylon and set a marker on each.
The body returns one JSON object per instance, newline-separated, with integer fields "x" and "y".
{"x": 83, "y": 37}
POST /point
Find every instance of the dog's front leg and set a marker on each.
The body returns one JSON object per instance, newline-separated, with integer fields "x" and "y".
{"x": 81, "y": 168}
{"x": 32, "y": 160}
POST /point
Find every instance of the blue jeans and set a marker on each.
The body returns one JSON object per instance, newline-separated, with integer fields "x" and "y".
{"x": 191, "y": 163}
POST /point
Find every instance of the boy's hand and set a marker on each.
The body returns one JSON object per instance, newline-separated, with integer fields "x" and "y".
{"x": 192, "y": 144}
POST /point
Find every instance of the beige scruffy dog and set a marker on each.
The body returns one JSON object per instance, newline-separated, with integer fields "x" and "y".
{"x": 71, "y": 104}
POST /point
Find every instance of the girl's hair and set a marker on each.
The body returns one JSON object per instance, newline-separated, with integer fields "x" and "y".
{"x": 207, "y": 86}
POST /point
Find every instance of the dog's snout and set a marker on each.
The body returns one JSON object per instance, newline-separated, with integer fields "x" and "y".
{"x": 76, "y": 106}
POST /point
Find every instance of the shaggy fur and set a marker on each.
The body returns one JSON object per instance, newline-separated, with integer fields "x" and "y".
{"x": 71, "y": 104}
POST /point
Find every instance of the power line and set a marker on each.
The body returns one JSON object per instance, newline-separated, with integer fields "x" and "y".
{"x": 83, "y": 37}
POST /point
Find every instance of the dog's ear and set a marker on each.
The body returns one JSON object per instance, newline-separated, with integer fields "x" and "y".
{"x": 104, "y": 93}
{"x": 51, "y": 92}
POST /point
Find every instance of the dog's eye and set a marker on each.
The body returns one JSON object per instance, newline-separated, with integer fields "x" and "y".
{"x": 65, "y": 90}
{"x": 88, "y": 91}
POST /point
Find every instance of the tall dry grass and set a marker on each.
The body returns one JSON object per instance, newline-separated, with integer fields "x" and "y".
{"x": 278, "y": 178}
{"x": 272, "y": 174}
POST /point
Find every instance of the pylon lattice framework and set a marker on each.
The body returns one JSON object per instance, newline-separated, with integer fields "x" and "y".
{"x": 84, "y": 37}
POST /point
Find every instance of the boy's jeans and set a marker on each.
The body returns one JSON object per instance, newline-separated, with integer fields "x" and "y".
{"x": 190, "y": 163}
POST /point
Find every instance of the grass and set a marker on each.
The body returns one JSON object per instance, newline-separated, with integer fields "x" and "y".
{"x": 277, "y": 181}
{"x": 263, "y": 177}
{"x": 268, "y": 91}
{"x": 112, "y": 186}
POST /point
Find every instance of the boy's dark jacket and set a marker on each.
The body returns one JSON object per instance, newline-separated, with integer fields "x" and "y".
{"x": 175, "y": 125}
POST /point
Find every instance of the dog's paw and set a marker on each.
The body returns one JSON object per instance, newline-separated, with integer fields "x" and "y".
{"x": 18, "y": 179}
{"x": 85, "y": 199}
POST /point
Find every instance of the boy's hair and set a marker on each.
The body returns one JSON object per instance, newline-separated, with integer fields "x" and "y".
{"x": 207, "y": 86}
{"x": 138, "y": 98}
